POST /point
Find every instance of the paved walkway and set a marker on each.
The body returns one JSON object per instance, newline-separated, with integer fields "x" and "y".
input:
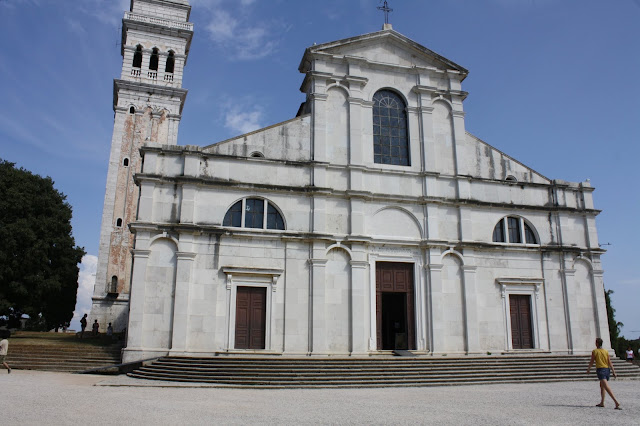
{"x": 30, "y": 397}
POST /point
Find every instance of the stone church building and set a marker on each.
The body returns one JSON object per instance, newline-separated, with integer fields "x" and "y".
{"x": 370, "y": 221}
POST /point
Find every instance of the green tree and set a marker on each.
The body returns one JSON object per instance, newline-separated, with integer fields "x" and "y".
{"x": 618, "y": 343}
{"x": 38, "y": 256}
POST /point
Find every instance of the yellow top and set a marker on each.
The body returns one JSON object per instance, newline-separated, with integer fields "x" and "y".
{"x": 602, "y": 358}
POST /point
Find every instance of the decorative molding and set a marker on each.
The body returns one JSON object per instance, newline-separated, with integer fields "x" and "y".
{"x": 234, "y": 270}
{"x": 504, "y": 283}
{"x": 520, "y": 281}
{"x": 318, "y": 262}
{"x": 359, "y": 264}
{"x": 183, "y": 255}
{"x": 132, "y": 16}
{"x": 140, "y": 253}
{"x": 458, "y": 114}
{"x": 419, "y": 88}
{"x": 318, "y": 96}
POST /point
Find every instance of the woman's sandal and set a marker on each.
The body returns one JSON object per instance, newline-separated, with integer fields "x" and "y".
{"x": 600, "y": 405}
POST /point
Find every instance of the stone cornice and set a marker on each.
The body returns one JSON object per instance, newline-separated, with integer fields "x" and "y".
{"x": 324, "y": 191}
{"x": 303, "y": 236}
{"x": 152, "y": 89}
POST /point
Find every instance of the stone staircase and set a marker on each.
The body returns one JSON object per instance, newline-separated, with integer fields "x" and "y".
{"x": 265, "y": 372}
{"x": 70, "y": 358}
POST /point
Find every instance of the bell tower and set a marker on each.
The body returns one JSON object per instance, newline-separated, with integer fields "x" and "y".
{"x": 147, "y": 101}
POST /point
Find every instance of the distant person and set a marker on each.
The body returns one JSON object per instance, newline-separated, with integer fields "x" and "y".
{"x": 83, "y": 325}
{"x": 4, "y": 348}
{"x": 109, "y": 330}
{"x": 603, "y": 366}
{"x": 95, "y": 328}
{"x": 629, "y": 354}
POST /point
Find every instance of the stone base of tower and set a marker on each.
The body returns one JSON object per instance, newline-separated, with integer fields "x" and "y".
{"x": 110, "y": 310}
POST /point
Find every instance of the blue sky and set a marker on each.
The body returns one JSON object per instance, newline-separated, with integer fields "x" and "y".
{"x": 552, "y": 83}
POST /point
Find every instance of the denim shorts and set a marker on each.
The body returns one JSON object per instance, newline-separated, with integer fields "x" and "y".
{"x": 603, "y": 373}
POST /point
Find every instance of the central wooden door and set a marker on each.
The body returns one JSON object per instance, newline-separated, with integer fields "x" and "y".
{"x": 395, "y": 313}
{"x": 521, "y": 329}
{"x": 251, "y": 304}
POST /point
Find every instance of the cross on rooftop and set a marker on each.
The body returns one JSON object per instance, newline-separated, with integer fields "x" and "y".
{"x": 386, "y": 9}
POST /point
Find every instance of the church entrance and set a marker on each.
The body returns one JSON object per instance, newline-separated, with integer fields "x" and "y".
{"x": 395, "y": 314}
{"x": 251, "y": 307}
{"x": 521, "y": 329}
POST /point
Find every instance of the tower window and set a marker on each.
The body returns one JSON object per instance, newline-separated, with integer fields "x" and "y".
{"x": 170, "y": 63}
{"x": 390, "y": 142}
{"x": 137, "y": 57}
{"x": 153, "y": 61}
{"x": 119, "y": 222}
{"x": 125, "y": 162}
{"x": 113, "y": 288}
{"x": 132, "y": 110}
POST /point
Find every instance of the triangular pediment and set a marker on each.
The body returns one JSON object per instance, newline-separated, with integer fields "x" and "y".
{"x": 386, "y": 47}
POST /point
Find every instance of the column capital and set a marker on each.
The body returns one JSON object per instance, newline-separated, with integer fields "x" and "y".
{"x": 140, "y": 253}
{"x": 359, "y": 264}
{"x": 183, "y": 255}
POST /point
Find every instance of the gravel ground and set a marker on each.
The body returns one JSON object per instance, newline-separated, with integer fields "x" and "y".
{"x": 34, "y": 397}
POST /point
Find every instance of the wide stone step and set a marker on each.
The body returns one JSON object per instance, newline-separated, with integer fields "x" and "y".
{"x": 353, "y": 373}
{"x": 342, "y": 382}
{"x": 360, "y": 373}
{"x": 267, "y": 372}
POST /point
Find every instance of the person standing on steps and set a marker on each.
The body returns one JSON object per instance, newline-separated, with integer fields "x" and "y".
{"x": 4, "y": 348}
{"x": 603, "y": 368}
{"x": 95, "y": 328}
{"x": 83, "y": 325}
{"x": 629, "y": 354}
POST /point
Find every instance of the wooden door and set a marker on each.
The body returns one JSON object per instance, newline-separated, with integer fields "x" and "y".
{"x": 251, "y": 304}
{"x": 395, "y": 278}
{"x": 521, "y": 329}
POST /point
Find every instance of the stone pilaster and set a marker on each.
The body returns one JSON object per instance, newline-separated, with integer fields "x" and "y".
{"x": 181, "y": 312}
{"x": 472, "y": 333}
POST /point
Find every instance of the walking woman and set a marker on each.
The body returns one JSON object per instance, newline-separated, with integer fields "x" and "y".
{"x": 4, "y": 347}
{"x": 603, "y": 366}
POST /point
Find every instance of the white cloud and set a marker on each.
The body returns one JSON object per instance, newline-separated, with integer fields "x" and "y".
{"x": 240, "y": 36}
{"x": 86, "y": 280}
{"x": 14, "y": 3}
{"x": 243, "y": 121}
{"x": 75, "y": 27}
{"x": 106, "y": 11}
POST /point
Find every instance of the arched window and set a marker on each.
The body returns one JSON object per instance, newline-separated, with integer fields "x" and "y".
{"x": 114, "y": 285}
{"x": 514, "y": 230}
{"x": 170, "y": 62}
{"x": 137, "y": 57}
{"x": 125, "y": 162}
{"x": 257, "y": 154}
{"x": 390, "y": 141}
{"x": 153, "y": 61}
{"x": 132, "y": 110}
{"x": 250, "y": 213}
{"x": 119, "y": 222}
{"x": 511, "y": 178}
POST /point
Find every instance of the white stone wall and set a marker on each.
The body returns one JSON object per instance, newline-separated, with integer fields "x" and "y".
{"x": 344, "y": 214}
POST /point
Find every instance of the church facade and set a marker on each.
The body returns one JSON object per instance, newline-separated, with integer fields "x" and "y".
{"x": 371, "y": 221}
